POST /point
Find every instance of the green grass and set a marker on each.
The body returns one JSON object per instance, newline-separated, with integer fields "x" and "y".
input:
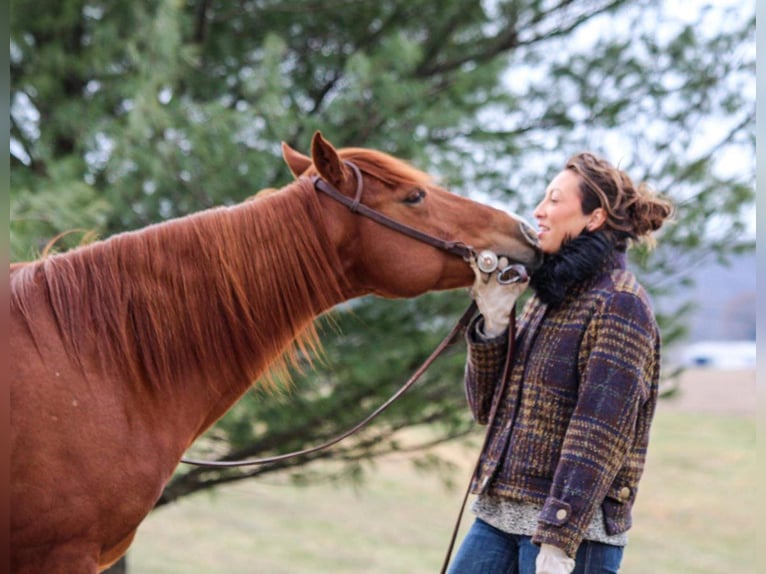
{"x": 694, "y": 515}
{"x": 695, "y": 512}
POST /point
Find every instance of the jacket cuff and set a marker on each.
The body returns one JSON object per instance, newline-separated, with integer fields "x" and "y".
{"x": 475, "y": 333}
{"x": 556, "y": 527}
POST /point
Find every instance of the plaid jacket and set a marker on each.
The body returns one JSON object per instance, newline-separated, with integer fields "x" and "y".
{"x": 572, "y": 428}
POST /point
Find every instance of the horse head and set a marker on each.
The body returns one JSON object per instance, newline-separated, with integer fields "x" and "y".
{"x": 386, "y": 262}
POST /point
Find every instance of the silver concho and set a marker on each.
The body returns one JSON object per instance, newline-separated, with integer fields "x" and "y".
{"x": 486, "y": 261}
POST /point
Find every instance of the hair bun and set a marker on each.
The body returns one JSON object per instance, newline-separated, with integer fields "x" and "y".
{"x": 649, "y": 211}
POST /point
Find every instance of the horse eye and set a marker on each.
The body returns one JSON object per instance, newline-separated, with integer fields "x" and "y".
{"x": 415, "y": 197}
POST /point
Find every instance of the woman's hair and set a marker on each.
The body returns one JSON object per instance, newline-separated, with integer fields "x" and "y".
{"x": 632, "y": 212}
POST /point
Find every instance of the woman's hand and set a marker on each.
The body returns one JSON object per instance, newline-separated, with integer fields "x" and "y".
{"x": 495, "y": 300}
{"x": 553, "y": 560}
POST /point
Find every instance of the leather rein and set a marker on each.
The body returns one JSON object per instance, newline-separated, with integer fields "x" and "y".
{"x": 446, "y": 342}
{"x": 454, "y": 247}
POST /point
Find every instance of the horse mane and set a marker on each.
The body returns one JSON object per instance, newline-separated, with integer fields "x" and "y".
{"x": 198, "y": 295}
{"x": 202, "y": 295}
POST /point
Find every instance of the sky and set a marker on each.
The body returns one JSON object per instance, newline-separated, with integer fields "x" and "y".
{"x": 621, "y": 145}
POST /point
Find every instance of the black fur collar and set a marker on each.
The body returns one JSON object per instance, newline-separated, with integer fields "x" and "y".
{"x": 579, "y": 260}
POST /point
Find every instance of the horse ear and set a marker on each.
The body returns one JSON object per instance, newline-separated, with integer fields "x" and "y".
{"x": 326, "y": 160}
{"x": 295, "y": 160}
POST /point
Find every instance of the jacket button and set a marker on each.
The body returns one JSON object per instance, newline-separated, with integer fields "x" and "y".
{"x": 624, "y": 493}
{"x": 561, "y": 514}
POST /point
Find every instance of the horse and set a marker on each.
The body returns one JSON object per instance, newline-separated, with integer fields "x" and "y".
{"x": 125, "y": 350}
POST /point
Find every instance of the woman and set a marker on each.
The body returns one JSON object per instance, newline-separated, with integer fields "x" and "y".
{"x": 566, "y": 448}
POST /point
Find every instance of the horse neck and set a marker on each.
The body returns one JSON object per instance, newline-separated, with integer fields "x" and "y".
{"x": 203, "y": 305}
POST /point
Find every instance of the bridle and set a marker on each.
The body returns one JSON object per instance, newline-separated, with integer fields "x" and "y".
{"x": 356, "y": 206}
{"x": 487, "y": 262}
{"x": 509, "y": 274}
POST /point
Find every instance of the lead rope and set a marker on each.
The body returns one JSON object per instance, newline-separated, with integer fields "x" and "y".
{"x": 446, "y": 342}
{"x": 492, "y": 414}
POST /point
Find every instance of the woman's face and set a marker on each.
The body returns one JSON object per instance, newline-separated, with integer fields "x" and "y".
{"x": 559, "y": 215}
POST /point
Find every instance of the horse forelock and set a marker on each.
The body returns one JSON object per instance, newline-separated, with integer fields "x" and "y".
{"x": 386, "y": 168}
{"x": 221, "y": 294}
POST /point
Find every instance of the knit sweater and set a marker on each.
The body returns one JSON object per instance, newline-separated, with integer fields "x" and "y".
{"x": 520, "y": 518}
{"x": 572, "y": 428}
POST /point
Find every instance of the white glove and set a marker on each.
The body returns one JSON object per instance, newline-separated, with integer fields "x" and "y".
{"x": 553, "y": 560}
{"x": 495, "y": 300}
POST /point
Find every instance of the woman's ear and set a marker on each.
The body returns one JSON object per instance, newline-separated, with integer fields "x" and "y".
{"x": 597, "y": 219}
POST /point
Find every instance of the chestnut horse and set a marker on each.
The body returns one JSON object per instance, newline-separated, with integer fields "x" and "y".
{"x": 125, "y": 350}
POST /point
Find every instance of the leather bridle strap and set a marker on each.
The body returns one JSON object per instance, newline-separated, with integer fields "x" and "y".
{"x": 455, "y": 247}
{"x": 498, "y": 397}
{"x": 451, "y": 337}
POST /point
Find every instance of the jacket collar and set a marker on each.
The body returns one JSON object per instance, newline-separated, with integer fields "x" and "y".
{"x": 573, "y": 267}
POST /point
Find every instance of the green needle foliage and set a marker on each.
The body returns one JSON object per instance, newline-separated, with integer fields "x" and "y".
{"x": 126, "y": 113}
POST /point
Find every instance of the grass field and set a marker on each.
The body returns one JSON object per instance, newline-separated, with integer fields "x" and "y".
{"x": 694, "y": 514}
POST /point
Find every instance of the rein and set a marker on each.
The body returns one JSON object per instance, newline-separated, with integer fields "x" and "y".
{"x": 490, "y": 422}
{"x": 455, "y": 247}
{"x": 445, "y": 343}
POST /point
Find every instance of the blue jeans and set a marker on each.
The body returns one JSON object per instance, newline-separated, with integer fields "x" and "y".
{"x": 487, "y": 550}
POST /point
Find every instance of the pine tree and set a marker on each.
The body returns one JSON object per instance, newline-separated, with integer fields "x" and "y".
{"x": 127, "y": 113}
